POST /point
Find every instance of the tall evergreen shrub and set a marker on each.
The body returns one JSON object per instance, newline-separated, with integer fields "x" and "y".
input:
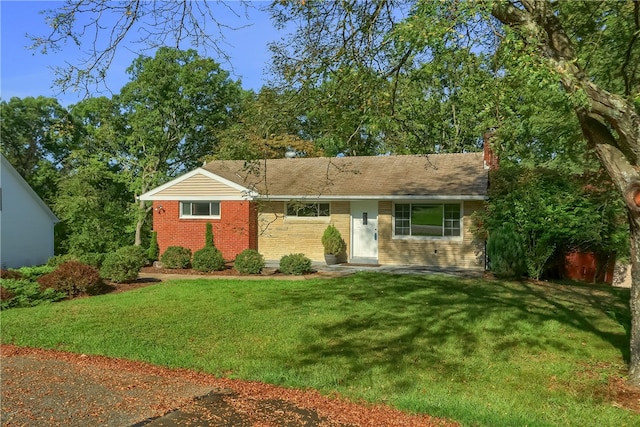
{"x": 208, "y": 236}
{"x": 506, "y": 252}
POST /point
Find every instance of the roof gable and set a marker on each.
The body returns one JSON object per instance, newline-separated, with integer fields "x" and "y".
{"x": 199, "y": 184}
{"x": 7, "y": 167}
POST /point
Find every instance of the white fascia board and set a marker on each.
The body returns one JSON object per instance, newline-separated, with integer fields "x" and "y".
{"x": 379, "y": 197}
{"x": 150, "y": 195}
{"x": 189, "y": 198}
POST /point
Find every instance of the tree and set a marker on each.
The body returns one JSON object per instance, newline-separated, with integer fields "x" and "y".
{"x": 173, "y": 107}
{"x": 266, "y": 126}
{"x": 94, "y": 207}
{"x": 37, "y": 135}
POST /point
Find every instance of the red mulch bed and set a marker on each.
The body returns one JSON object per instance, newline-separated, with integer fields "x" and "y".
{"x": 48, "y": 387}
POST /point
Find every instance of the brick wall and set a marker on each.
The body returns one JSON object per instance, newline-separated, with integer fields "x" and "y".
{"x": 234, "y": 232}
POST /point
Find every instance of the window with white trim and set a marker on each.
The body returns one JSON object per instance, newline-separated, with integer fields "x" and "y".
{"x": 308, "y": 210}
{"x": 204, "y": 209}
{"x": 427, "y": 219}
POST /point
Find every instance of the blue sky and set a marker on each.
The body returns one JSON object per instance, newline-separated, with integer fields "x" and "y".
{"x": 24, "y": 72}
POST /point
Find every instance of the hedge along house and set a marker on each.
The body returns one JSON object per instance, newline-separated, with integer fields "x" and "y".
{"x": 395, "y": 210}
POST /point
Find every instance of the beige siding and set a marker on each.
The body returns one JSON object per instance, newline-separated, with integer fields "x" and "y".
{"x": 199, "y": 185}
{"x": 464, "y": 253}
{"x": 278, "y": 236}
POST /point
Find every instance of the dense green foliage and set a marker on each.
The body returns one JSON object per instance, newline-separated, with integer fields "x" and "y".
{"x": 506, "y": 252}
{"x": 176, "y": 257}
{"x": 296, "y": 264}
{"x": 332, "y": 241}
{"x": 208, "y": 259}
{"x": 499, "y": 353}
{"x": 208, "y": 236}
{"x": 249, "y": 261}
{"x": 554, "y": 213}
{"x": 26, "y": 293}
{"x": 124, "y": 264}
{"x": 73, "y": 278}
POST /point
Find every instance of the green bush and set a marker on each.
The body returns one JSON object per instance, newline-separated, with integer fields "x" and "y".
{"x": 124, "y": 264}
{"x": 176, "y": 257}
{"x": 32, "y": 273}
{"x": 249, "y": 261}
{"x": 56, "y": 260}
{"x": 208, "y": 259}
{"x": 332, "y": 241}
{"x": 154, "y": 249}
{"x": 26, "y": 293}
{"x": 94, "y": 259}
{"x": 296, "y": 264}
{"x": 506, "y": 252}
{"x": 73, "y": 278}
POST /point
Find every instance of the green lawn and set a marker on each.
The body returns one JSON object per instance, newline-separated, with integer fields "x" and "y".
{"x": 481, "y": 352}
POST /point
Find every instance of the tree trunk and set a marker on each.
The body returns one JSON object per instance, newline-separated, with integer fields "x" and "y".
{"x": 143, "y": 212}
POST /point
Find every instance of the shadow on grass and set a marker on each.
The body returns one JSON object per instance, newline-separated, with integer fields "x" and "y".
{"x": 446, "y": 325}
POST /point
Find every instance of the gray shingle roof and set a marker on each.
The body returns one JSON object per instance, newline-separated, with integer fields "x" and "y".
{"x": 438, "y": 175}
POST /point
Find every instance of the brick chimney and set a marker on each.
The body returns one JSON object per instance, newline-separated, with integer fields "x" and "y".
{"x": 491, "y": 160}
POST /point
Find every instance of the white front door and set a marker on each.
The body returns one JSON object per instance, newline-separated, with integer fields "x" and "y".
{"x": 364, "y": 230}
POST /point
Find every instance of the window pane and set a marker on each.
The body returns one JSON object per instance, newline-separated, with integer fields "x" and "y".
{"x": 292, "y": 209}
{"x": 426, "y": 220}
{"x": 323, "y": 209}
{"x": 186, "y": 208}
{"x": 215, "y": 208}
{"x": 452, "y": 220}
{"x": 402, "y": 220}
{"x": 201, "y": 209}
{"x": 308, "y": 209}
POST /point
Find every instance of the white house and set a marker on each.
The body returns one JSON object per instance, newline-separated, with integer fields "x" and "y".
{"x": 26, "y": 223}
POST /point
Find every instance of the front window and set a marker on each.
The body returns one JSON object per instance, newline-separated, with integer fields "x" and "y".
{"x": 427, "y": 219}
{"x": 306, "y": 210}
{"x": 200, "y": 209}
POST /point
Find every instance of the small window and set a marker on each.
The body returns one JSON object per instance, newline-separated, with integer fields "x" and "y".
{"x": 427, "y": 220}
{"x": 199, "y": 209}
{"x": 307, "y": 210}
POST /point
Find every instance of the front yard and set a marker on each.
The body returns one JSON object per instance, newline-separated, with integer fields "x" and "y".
{"x": 492, "y": 353}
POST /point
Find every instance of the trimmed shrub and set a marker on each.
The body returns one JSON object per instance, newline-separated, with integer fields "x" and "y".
{"x": 56, "y": 260}
{"x": 94, "y": 259}
{"x": 506, "y": 252}
{"x": 208, "y": 236}
{"x": 296, "y": 264}
{"x": 154, "y": 249}
{"x": 26, "y": 293}
{"x": 73, "y": 278}
{"x": 249, "y": 261}
{"x": 124, "y": 264}
{"x": 32, "y": 273}
{"x": 332, "y": 241}
{"x": 208, "y": 259}
{"x": 10, "y": 274}
{"x": 176, "y": 257}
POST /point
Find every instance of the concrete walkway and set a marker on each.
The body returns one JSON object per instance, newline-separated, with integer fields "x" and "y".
{"x": 323, "y": 270}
